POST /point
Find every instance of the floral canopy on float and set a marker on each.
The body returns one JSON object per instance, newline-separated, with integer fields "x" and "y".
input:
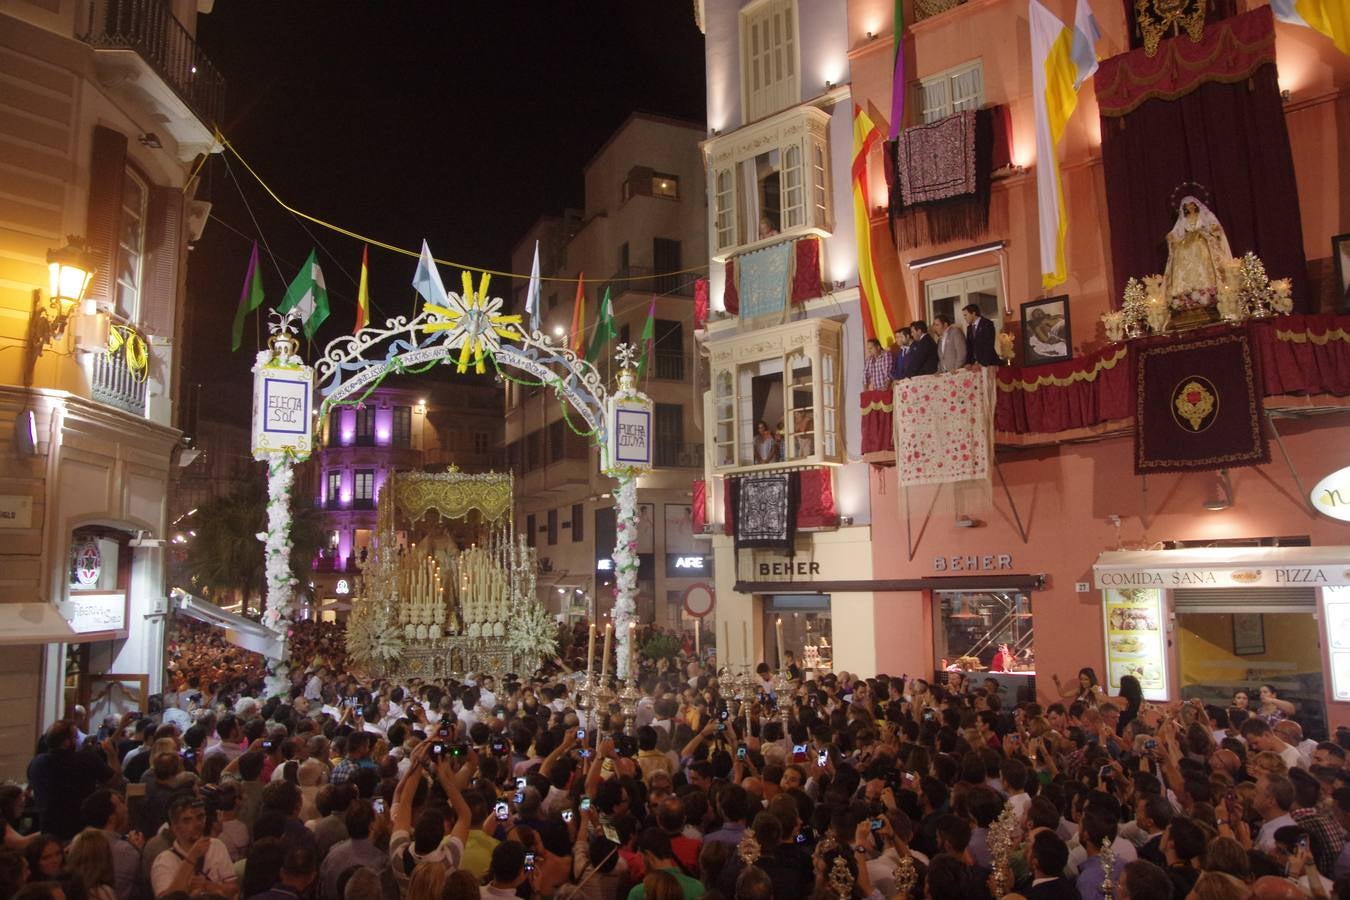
{"x": 430, "y": 606}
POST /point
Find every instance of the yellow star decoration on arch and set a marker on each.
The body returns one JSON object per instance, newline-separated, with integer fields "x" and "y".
{"x": 474, "y": 323}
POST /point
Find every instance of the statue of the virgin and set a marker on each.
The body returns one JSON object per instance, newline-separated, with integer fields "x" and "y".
{"x": 1197, "y": 250}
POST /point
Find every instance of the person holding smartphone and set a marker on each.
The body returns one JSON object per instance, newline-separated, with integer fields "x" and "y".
{"x": 405, "y": 852}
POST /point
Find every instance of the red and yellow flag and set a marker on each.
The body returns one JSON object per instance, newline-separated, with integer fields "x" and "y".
{"x": 576, "y": 337}
{"x": 879, "y": 320}
{"x": 363, "y": 293}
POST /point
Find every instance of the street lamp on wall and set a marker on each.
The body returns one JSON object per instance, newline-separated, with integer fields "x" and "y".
{"x": 70, "y": 269}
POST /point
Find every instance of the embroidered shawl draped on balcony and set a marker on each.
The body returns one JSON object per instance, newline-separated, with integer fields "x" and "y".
{"x": 942, "y": 170}
{"x": 944, "y": 427}
{"x": 803, "y": 279}
{"x": 765, "y": 511}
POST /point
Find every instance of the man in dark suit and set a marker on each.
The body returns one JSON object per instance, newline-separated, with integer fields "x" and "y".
{"x": 979, "y": 338}
{"x": 901, "y": 365}
{"x": 923, "y": 352}
{"x": 1049, "y": 856}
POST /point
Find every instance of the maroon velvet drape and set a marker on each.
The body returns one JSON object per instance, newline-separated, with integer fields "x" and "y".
{"x": 700, "y": 303}
{"x": 1227, "y": 134}
{"x": 731, "y": 295}
{"x": 806, "y": 281}
{"x": 878, "y": 421}
{"x": 815, "y": 505}
{"x": 1298, "y": 354}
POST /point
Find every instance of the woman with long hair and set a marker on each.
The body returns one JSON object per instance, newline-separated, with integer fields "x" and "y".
{"x": 1086, "y": 689}
{"x": 428, "y": 881}
{"x": 1133, "y": 695}
{"x": 662, "y": 886}
{"x": 45, "y": 858}
{"x": 90, "y": 862}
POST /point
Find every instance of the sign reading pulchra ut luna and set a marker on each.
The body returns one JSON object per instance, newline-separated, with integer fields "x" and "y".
{"x": 629, "y": 444}
{"x": 1331, "y": 495}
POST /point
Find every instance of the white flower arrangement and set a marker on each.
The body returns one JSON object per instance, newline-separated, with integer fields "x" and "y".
{"x": 625, "y": 566}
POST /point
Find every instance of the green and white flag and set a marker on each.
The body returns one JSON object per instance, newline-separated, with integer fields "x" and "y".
{"x": 308, "y": 295}
{"x": 604, "y": 329}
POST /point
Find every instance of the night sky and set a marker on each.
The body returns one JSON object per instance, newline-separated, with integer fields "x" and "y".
{"x": 457, "y": 121}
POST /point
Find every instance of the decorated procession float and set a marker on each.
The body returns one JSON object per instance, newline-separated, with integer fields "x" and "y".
{"x": 449, "y": 587}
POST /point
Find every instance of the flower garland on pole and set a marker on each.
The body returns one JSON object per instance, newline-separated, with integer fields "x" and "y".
{"x": 283, "y": 404}
{"x": 626, "y": 455}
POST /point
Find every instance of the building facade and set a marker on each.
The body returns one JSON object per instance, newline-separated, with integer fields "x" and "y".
{"x": 105, "y": 115}
{"x": 420, "y": 424}
{"x": 784, "y": 335}
{"x": 641, "y": 238}
{"x": 1067, "y": 542}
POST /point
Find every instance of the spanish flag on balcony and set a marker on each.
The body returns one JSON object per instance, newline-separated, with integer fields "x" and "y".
{"x": 878, "y": 314}
{"x": 1054, "y": 74}
{"x": 1331, "y": 17}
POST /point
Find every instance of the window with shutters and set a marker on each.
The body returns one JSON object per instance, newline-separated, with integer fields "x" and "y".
{"x": 552, "y": 527}
{"x": 365, "y": 426}
{"x": 363, "y": 493}
{"x": 578, "y": 523}
{"x": 952, "y": 91}
{"x": 771, "y": 181}
{"x": 402, "y": 426}
{"x": 131, "y": 244}
{"x": 334, "y": 489}
{"x": 948, "y": 296}
{"x": 770, "y": 80}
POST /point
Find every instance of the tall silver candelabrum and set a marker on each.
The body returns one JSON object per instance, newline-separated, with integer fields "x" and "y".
{"x": 782, "y": 688}
{"x": 1108, "y": 864}
{"x": 628, "y": 702}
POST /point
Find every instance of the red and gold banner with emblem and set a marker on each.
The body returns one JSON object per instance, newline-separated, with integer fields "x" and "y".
{"x": 1198, "y": 405}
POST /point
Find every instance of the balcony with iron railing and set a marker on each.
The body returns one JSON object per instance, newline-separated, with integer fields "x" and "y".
{"x": 148, "y": 28}
{"x": 112, "y": 381}
{"x": 676, "y": 455}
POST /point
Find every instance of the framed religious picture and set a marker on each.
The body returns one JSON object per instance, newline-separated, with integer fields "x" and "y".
{"x": 1249, "y": 634}
{"x": 1340, "y": 252}
{"x": 1046, "y": 337}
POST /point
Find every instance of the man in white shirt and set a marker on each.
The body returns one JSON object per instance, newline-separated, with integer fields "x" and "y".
{"x": 1273, "y": 801}
{"x": 1291, "y": 733}
{"x": 193, "y": 864}
{"x": 314, "y": 687}
{"x": 1259, "y": 736}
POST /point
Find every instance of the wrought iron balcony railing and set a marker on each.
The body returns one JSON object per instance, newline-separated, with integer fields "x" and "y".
{"x": 149, "y": 28}
{"x": 112, "y": 382}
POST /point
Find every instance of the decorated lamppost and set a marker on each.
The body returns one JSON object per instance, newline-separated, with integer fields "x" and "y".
{"x": 283, "y": 404}
{"x": 626, "y": 455}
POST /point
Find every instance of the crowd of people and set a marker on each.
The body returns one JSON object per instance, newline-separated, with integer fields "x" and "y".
{"x": 837, "y": 786}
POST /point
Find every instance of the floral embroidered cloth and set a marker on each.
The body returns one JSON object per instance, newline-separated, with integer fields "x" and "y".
{"x": 944, "y": 427}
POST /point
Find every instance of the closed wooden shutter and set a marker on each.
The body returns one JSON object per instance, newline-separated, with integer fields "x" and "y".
{"x": 107, "y": 168}
{"x": 1245, "y": 600}
{"x": 164, "y": 243}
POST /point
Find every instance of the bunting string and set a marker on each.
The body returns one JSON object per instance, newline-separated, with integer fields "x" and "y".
{"x": 375, "y": 242}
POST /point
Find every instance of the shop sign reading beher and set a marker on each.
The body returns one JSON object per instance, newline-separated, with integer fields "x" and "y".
{"x": 1331, "y": 495}
{"x": 1134, "y": 640}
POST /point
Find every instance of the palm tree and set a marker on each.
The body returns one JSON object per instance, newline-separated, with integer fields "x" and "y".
{"x": 226, "y": 557}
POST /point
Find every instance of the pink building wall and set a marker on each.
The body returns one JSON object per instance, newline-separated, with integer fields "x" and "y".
{"x": 1064, "y": 496}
